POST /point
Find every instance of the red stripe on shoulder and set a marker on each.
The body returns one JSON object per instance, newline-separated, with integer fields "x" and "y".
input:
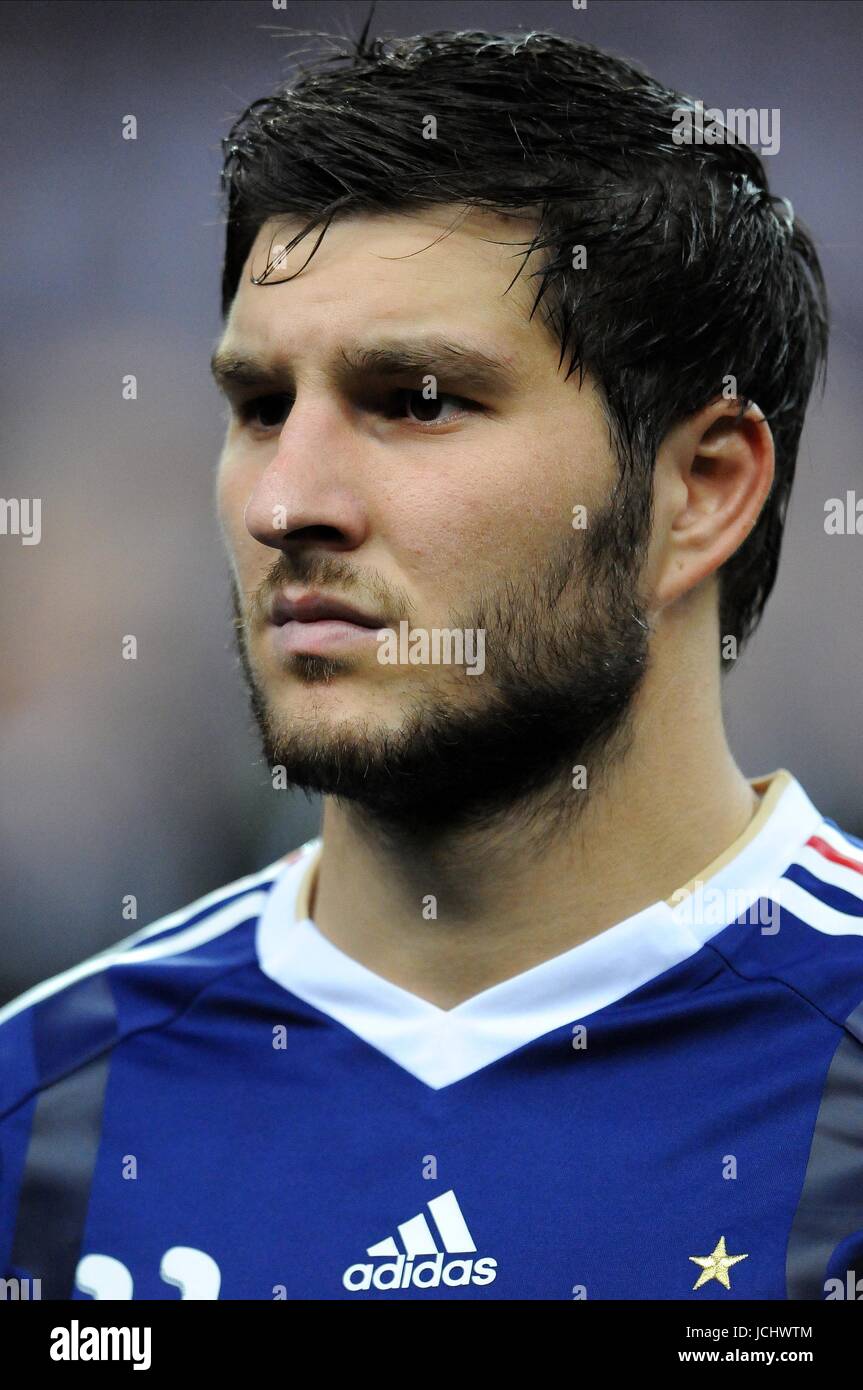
{"x": 829, "y": 852}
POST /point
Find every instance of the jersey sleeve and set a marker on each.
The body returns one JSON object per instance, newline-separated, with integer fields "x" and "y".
{"x": 18, "y": 1094}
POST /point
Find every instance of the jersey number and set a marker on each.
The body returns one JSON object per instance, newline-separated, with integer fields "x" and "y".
{"x": 193, "y": 1272}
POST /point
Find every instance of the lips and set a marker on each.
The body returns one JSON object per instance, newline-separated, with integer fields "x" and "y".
{"x": 318, "y": 608}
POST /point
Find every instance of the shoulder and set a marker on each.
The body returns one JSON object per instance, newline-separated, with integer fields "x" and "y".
{"x": 808, "y": 934}
{"x": 822, "y": 889}
{"x": 66, "y": 1021}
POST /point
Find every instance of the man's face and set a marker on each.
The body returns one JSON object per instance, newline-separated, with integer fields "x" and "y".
{"x": 441, "y": 497}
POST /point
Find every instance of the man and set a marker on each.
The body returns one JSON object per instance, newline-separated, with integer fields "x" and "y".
{"x": 561, "y": 1004}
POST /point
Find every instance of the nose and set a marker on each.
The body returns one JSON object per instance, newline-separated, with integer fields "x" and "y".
{"x": 309, "y": 493}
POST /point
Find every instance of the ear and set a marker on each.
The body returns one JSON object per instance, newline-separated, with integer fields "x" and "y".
{"x": 713, "y": 474}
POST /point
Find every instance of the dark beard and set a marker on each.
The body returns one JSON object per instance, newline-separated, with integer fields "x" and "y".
{"x": 567, "y": 651}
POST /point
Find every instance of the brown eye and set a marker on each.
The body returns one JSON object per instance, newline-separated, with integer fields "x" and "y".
{"x": 266, "y": 412}
{"x": 415, "y": 406}
{"x": 421, "y": 408}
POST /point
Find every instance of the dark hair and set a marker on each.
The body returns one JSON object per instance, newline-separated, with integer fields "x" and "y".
{"x": 691, "y": 274}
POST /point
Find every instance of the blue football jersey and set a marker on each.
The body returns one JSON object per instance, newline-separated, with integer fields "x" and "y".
{"x": 227, "y": 1106}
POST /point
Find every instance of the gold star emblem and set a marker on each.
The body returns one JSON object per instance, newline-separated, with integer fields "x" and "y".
{"x": 716, "y": 1265}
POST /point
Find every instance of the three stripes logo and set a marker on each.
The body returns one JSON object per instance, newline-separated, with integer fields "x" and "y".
{"x": 423, "y": 1265}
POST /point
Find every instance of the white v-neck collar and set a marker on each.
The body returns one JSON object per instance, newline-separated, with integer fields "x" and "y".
{"x": 442, "y": 1046}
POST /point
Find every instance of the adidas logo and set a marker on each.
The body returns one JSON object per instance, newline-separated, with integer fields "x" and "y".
{"x": 401, "y": 1271}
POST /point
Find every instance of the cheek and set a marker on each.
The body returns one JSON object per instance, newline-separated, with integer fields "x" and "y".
{"x": 233, "y": 474}
{"x": 476, "y": 532}
{"x": 511, "y": 519}
{"x": 225, "y": 486}
{"x": 233, "y": 490}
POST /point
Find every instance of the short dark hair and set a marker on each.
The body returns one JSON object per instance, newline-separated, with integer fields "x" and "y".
{"x": 692, "y": 272}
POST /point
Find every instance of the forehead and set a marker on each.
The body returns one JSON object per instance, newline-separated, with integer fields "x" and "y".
{"x": 441, "y": 270}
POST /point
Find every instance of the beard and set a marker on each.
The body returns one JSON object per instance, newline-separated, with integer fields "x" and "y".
{"x": 568, "y": 650}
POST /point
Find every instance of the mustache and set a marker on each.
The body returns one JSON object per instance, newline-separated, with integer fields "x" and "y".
{"x": 330, "y": 575}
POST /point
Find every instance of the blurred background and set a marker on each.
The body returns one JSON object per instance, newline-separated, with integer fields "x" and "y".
{"x": 145, "y": 777}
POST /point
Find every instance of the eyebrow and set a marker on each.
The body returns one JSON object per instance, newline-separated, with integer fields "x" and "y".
{"x": 474, "y": 367}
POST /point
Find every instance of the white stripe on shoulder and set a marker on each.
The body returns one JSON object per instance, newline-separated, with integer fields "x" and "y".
{"x": 813, "y": 911}
{"x": 838, "y": 841}
{"x": 211, "y": 900}
{"x": 218, "y": 922}
{"x": 839, "y": 875}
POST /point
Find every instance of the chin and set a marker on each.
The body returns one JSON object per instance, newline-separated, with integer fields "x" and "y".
{"x": 323, "y": 708}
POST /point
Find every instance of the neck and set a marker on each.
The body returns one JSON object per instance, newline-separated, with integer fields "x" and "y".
{"x": 450, "y": 917}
